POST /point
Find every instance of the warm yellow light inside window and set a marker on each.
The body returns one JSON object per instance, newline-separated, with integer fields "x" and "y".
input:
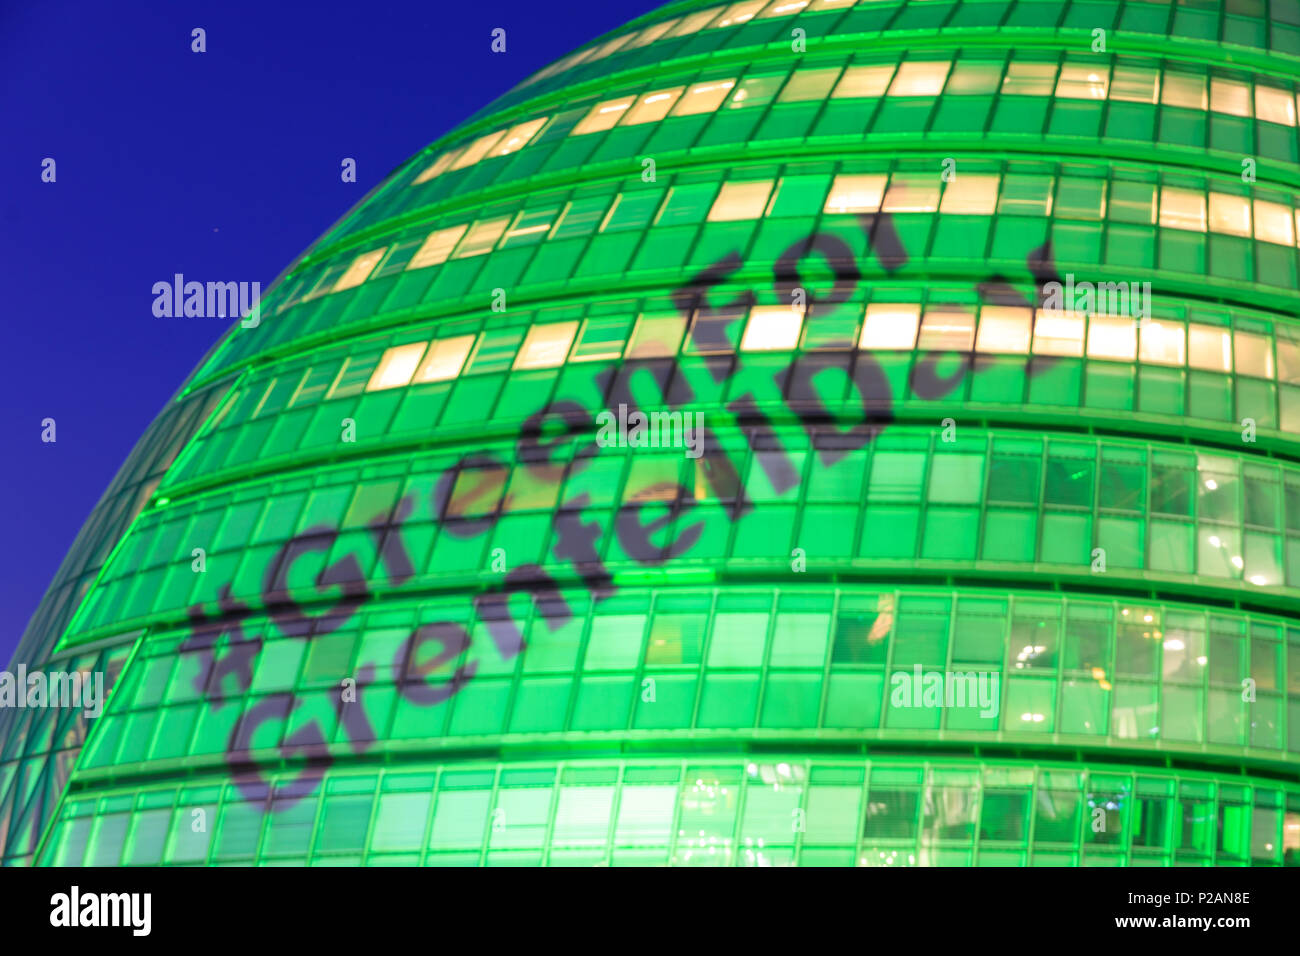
{"x": 1254, "y": 354}
{"x": 912, "y": 194}
{"x": 482, "y": 236}
{"x": 695, "y": 22}
{"x": 396, "y": 367}
{"x": 806, "y": 85}
{"x": 947, "y": 330}
{"x": 741, "y": 201}
{"x": 604, "y": 115}
{"x": 1135, "y": 84}
{"x": 437, "y": 247}
{"x": 704, "y": 97}
{"x": 970, "y": 195}
{"x": 771, "y": 327}
{"x": 652, "y": 33}
{"x": 783, "y": 8}
{"x": 437, "y": 168}
{"x": 919, "y": 79}
{"x": 856, "y": 194}
{"x": 545, "y": 346}
{"x": 1163, "y": 343}
{"x": 1229, "y": 96}
{"x": 1004, "y": 329}
{"x": 1183, "y": 89}
{"x": 1209, "y": 347}
{"x": 1082, "y": 82}
{"x": 738, "y": 13}
{"x": 1229, "y": 215}
{"x": 1058, "y": 333}
{"x": 1112, "y": 337}
{"x": 1029, "y": 79}
{"x": 890, "y": 326}
{"x": 445, "y": 359}
{"x": 517, "y": 137}
{"x": 652, "y": 107}
{"x": 1274, "y": 105}
{"x": 478, "y": 149}
{"x": 360, "y": 269}
{"x": 1182, "y": 209}
{"x": 1274, "y": 223}
{"x": 860, "y": 81}
{"x": 656, "y": 336}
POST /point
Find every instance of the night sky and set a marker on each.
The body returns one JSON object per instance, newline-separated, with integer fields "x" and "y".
{"x": 221, "y": 165}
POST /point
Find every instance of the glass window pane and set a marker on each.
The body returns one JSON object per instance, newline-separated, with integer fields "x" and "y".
{"x": 437, "y": 247}
{"x": 771, "y": 327}
{"x": 652, "y": 107}
{"x": 445, "y": 359}
{"x": 1058, "y": 333}
{"x": 1229, "y": 96}
{"x": 890, "y": 326}
{"x": 1273, "y": 223}
{"x": 950, "y": 330}
{"x": 703, "y": 97}
{"x": 809, "y": 85}
{"x": 971, "y": 195}
{"x": 1183, "y": 89}
{"x": 1229, "y": 215}
{"x": 360, "y": 269}
{"x": 1254, "y": 354}
{"x": 919, "y": 79}
{"x": 545, "y": 346}
{"x": 1209, "y": 347}
{"x": 1112, "y": 337}
{"x": 912, "y": 194}
{"x": 855, "y": 194}
{"x": 863, "y": 81}
{"x": 1004, "y": 329}
{"x": 1135, "y": 84}
{"x": 1029, "y": 79}
{"x": 1274, "y": 105}
{"x": 1163, "y": 343}
{"x": 396, "y": 367}
{"x": 656, "y": 336}
{"x": 482, "y": 236}
{"x": 1182, "y": 209}
{"x": 603, "y": 115}
{"x": 1080, "y": 82}
{"x": 741, "y": 200}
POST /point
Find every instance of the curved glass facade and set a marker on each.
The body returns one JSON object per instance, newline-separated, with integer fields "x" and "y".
{"x": 780, "y": 432}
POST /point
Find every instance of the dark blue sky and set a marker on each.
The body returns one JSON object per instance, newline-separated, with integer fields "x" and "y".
{"x": 222, "y": 165}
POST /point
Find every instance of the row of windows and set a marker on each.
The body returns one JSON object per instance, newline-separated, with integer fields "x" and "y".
{"x": 777, "y": 811}
{"x": 814, "y": 662}
{"x": 909, "y": 495}
{"x": 1094, "y": 79}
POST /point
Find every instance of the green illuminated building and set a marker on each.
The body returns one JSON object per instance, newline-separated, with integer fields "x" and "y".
{"x": 438, "y": 622}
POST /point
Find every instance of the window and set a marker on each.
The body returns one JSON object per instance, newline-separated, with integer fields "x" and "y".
{"x": 695, "y": 22}
{"x": 445, "y": 359}
{"x": 396, "y": 367}
{"x": 602, "y": 339}
{"x": 971, "y": 195}
{"x": 656, "y": 336}
{"x": 652, "y": 107}
{"x": 919, "y": 79}
{"x": 912, "y": 194}
{"x": 580, "y": 217}
{"x": 783, "y": 8}
{"x": 517, "y": 137}
{"x": 1230, "y": 214}
{"x": 1182, "y": 209}
{"x": 1254, "y": 354}
{"x": 755, "y": 91}
{"x": 530, "y": 225}
{"x": 437, "y": 247}
{"x": 545, "y": 346}
{"x": 360, "y": 269}
{"x": 1229, "y": 96}
{"x": 1273, "y": 223}
{"x": 855, "y": 194}
{"x": 737, "y": 13}
{"x": 1163, "y": 343}
{"x": 1132, "y": 202}
{"x": 741, "y": 201}
{"x": 1274, "y": 105}
{"x": 1029, "y": 79}
{"x": 437, "y": 168}
{"x": 703, "y": 97}
{"x": 948, "y": 330}
{"x": 652, "y": 33}
{"x": 1183, "y": 89}
{"x": 863, "y": 81}
{"x": 771, "y": 327}
{"x": 603, "y": 116}
{"x": 478, "y": 149}
{"x": 1004, "y": 329}
{"x": 807, "y": 85}
{"x": 1288, "y": 365}
{"x": 975, "y": 78}
{"x": 1058, "y": 333}
{"x": 1080, "y": 82}
{"x": 1209, "y": 347}
{"x": 1024, "y": 195}
{"x": 1112, "y": 337}
{"x": 890, "y": 326}
{"x": 482, "y": 236}
{"x": 1135, "y": 84}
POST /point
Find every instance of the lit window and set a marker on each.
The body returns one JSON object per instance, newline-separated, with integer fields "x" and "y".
{"x": 1288, "y": 358}
{"x": 437, "y": 168}
{"x": 755, "y": 91}
{"x": 919, "y": 79}
{"x": 863, "y": 81}
{"x": 1112, "y": 337}
{"x": 1183, "y": 89}
{"x": 611, "y": 47}
{"x": 652, "y": 107}
{"x": 545, "y": 346}
{"x": 445, "y": 359}
{"x": 1209, "y": 347}
{"x": 1029, "y": 79}
{"x": 1079, "y": 82}
{"x": 807, "y": 85}
{"x": 604, "y": 115}
{"x": 398, "y": 256}
{"x": 771, "y": 327}
{"x": 695, "y": 22}
{"x": 1274, "y": 105}
{"x": 517, "y": 137}
{"x": 652, "y": 33}
{"x": 1182, "y": 209}
{"x": 741, "y": 201}
{"x": 738, "y": 13}
{"x": 1274, "y": 223}
{"x": 1058, "y": 333}
{"x": 530, "y": 225}
{"x": 1135, "y": 84}
{"x": 783, "y": 8}
{"x": 478, "y": 149}
{"x": 703, "y": 97}
{"x": 482, "y": 236}
{"x": 581, "y": 217}
{"x": 971, "y": 195}
{"x": 437, "y": 247}
{"x": 912, "y": 194}
{"x": 396, "y": 367}
{"x": 947, "y": 330}
{"x": 1229, "y": 215}
{"x": 656, "y": 336}
{"x": 1229, "y": 96}
{"x": 1254, "y": 354}
{"x": 1163, "y": 343}
{"x": 855, "y": 194}
{"x": 360, "y": 269}
{"x": 975, "y": 78}
{"x": 1004, "y": 329}
{"x": 890, "y": 326}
